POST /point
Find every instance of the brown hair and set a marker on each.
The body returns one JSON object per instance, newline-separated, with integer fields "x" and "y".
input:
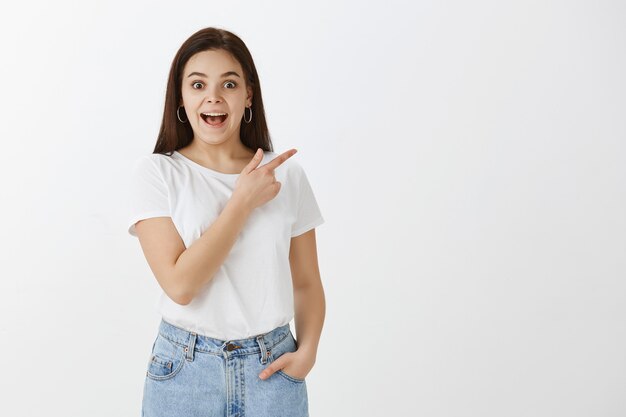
{"x": 173, "y": 134}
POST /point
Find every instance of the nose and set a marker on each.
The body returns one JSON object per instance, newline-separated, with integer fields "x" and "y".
{"x": 213, "y": 95}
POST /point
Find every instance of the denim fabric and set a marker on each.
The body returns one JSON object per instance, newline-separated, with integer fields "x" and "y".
{"x": 193, "y": 375}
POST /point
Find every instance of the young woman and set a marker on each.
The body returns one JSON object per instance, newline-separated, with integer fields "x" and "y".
{"x": 227, "y": 226}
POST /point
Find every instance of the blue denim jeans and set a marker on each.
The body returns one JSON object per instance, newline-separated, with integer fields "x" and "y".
{"x": 193, "y": 375}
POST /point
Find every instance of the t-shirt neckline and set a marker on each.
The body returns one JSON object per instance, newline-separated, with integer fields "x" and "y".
{"x": 202, "y": 168}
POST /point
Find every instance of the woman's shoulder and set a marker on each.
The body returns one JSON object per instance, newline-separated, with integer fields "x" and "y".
{"x": 157, "y": 159}
{"x": 150, "y": 164}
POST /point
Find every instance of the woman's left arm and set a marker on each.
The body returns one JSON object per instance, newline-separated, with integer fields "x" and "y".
{"x": 309, "y": 300}
{"x": 309, "y": 308}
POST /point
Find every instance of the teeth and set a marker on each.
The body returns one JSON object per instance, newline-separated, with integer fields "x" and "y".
{"x": 214, "y": 114}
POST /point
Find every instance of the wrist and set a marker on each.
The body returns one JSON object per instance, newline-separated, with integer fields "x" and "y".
{"x": 308, "y": 350}
{"x": 239, "y": 205}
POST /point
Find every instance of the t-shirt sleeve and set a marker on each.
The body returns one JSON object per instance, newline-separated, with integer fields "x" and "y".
{"x": 148, "y": 195}
{"x": 308, "y": 215}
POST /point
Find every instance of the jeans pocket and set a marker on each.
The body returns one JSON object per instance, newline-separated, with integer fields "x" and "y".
{"x": 289, "y": 377}
{"x": 166, "y": 359}
{"x": 288, "y": 344}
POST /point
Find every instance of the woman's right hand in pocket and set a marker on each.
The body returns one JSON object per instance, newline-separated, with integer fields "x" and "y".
{"x": 256, "y": 185}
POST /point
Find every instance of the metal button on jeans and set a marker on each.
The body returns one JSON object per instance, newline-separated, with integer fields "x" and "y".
{"x": 231, "y": 346}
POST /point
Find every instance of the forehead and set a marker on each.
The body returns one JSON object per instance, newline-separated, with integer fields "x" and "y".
{"x": 212, "y": 63}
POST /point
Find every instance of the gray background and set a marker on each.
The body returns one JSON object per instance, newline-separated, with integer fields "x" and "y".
{"x": 468, "y": 158}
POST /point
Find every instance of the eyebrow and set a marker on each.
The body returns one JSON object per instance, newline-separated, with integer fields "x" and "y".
{"x": 226, "y": 74}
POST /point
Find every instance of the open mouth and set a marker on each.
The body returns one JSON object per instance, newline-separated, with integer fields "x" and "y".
{"x": 214, "y": 119}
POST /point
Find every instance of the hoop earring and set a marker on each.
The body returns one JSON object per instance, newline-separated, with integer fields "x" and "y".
{"x": 178, "y": 115}
{"x": 244, "y": 114}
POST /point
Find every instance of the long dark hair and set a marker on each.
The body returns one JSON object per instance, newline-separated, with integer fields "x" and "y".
{"x": 173, "y": 134}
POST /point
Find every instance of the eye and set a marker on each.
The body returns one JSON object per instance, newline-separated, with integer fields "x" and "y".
{"x": 227, "y": 82}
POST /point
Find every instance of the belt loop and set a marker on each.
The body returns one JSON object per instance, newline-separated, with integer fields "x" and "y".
{"x": 189, "y": 349}
{"x": 264, "y": 352}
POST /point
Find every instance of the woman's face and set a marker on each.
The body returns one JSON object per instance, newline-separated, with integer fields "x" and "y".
{"x": 213, "y": 81}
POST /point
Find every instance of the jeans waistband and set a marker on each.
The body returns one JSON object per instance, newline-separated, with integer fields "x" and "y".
{"x": 251, "y": 345}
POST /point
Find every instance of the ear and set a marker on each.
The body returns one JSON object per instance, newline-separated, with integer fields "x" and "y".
{"x": 249, "y": 98}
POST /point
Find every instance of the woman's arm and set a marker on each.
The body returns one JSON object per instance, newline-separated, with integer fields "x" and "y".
{"x": 309, "y": 300}
{"x": 181, "y": 272}
{"x": 309, "y": 306}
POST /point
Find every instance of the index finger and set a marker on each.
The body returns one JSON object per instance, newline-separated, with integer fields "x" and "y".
{"x": 274, "y": 163}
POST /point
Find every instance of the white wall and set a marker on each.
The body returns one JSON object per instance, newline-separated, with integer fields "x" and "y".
{"x": 468, "y": 158}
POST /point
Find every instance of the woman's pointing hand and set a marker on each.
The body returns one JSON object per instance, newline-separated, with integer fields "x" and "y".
{"x": 256, "y": 185}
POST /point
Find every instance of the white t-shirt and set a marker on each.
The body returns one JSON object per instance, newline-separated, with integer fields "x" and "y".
{"x": 252, "y": 292}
